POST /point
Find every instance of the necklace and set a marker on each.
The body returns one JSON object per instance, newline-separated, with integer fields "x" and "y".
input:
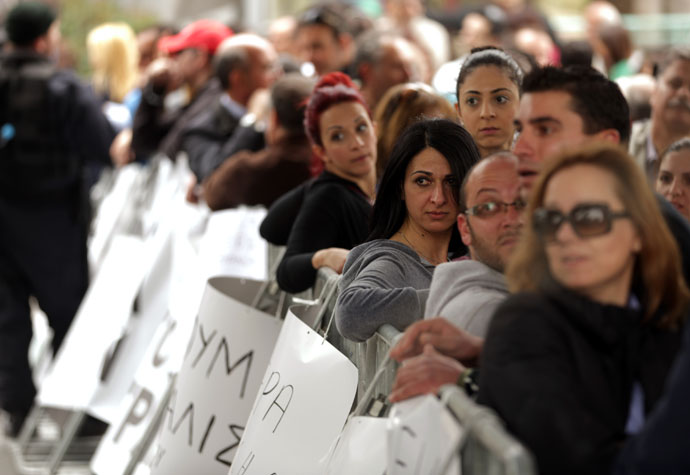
{"x": 430, "y": 261}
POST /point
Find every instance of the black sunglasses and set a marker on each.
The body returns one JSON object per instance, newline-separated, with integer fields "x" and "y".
{"x": 587, "y": 220}
{"x": 492, "y": 208}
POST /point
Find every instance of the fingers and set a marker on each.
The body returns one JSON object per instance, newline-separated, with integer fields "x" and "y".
{"x": 410, "y": 343}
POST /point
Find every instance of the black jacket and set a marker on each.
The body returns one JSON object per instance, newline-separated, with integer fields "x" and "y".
{"x": 560, "y": 368}
{"x": 335, "y": 213}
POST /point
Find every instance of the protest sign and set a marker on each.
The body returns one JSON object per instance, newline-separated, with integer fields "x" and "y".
{"x": 422, "y": 437}
{"x": 226, "y": 357}
{"x": 361, "y": 448}
{"x": 232, "y": 246}
{"x": 304, "y": 399}
{"x": 76, "y": 373}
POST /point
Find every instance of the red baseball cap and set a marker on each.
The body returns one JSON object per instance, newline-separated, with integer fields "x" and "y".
{"x": 201, "y": 34}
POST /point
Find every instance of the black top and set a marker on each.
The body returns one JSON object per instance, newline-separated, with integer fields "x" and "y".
{"x": 560, "y": 369}
{"x": 335, "y": 213}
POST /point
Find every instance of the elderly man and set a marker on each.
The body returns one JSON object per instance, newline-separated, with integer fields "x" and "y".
{"x": 670, "y": 119}
{"x": 52, "y": 125}
{"x": 246, "y": 66}
{"x": 382, "y": 61}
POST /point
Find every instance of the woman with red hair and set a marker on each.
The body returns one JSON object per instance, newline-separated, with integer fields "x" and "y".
{"x": 334, "y": 216}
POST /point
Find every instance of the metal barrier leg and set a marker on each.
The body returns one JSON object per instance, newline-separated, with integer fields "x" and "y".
{"x": 29, "y": 427}
{"x": 70, "y": 431}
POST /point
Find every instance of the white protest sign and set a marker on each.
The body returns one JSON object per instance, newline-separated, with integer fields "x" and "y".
{"x": 138, "y": 408}
{"x": 76, "y": 372}
{"x": 422, "y": 437}
{"x": 361, "y": 448}
{"x": 232, "y": 245}
{"x": 110, "y": 212}
{"x": 151, "y": 308}
{"x": 227, "y": 355}
{"x": 301, "y": 407}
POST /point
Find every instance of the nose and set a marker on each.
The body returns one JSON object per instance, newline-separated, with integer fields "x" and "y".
{"x": 487, "y": 109}
{"x": 522, "y": 147}
{"x": 438, "y": 194}
{"x": 358, "y": 141}
{"x": 675, "y": 187}
{"x": 565, "y": 233}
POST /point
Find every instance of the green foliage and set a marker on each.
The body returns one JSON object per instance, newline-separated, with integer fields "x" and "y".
{"x": 78, "y": 17}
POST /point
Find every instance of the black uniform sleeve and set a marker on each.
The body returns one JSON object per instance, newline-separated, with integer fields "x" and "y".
{"x": 276, "y": 226}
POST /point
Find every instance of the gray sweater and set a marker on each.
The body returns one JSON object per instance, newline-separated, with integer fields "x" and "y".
{"x": 467, "y": 293}
{"x": 383, "y": 281}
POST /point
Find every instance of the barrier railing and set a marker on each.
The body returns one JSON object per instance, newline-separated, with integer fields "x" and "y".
{"x": 487, "y": 448}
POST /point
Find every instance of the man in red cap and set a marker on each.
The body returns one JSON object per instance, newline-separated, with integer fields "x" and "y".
{"x": 186, "y": 71}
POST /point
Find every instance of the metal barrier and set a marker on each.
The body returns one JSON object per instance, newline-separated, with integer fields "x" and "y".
{"x": 487, "y": 448}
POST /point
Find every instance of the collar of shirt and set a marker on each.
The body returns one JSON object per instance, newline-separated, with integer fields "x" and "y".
{"x": 233, "y": 107}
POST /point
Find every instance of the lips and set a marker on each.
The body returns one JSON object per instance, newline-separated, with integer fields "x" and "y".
{"x": 489, "y": 131}
{"x": 437, "y": 214}
{"x": 678, "y": 205}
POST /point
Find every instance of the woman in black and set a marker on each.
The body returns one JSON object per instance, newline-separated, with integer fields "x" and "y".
{"x": 576, "y": 359}
{"x": 334, "y": 215}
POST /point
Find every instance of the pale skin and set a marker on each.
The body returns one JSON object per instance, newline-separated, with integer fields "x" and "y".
{"x": 431, "y": 206}
{"x": 348, "y": 150}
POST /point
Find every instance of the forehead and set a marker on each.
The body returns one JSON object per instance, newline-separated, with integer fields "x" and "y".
{"x": 677, "y": 160}
{"x": 546, "y": 103}
{"x": 487, "y": 76}
{"x": 342, "y": 114}
{"x": 429, "y": 159}
{"x": 679, "y": 67}
{"x": 500, "y": 175}
{"x": 581, "y": 183}
{"x": 315, "y": 33}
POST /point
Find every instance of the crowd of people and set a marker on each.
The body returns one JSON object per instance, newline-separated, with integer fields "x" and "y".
{"x": 518, "y": 205}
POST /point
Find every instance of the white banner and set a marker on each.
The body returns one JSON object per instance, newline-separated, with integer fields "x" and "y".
{"x": 361, "y": 448}
{"x": 422, "y": 437}
{"x": 304, "y": 400}
{"x": 85, "y": 355}
{"x": 232, "y": 246}
{"x": 226, "y": 357}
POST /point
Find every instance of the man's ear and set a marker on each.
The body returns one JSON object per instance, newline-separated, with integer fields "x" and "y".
{"x": 457, "y": 111}
{"x": 464, "y": 228}
{"x": 609, "y": 135}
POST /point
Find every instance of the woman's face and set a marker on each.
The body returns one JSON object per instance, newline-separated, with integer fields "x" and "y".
{"x": 599, "y": 266}
{"x": 673, "y": 181}
{"x": 428, "y": 191}
{"x": 349, "y": 140}
{"x": 487, "y": 104}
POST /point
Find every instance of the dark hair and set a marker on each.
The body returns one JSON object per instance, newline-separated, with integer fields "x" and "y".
{"x": 27, "y": 21}
{"x": 574, "y": 53}
{"x": 598, "y": 101}
{"x": 370, "y": 48}
{"x": 677, "y": 146}
{"x": 451, "y": 140}
{"x": 288, "y": 96}
{"x": 325, "y": 15}
{"x": 617, "y": 42}
{"x": 228, "y": 60}
{"x": 332, "y": 88}
{"x": 489, "y": 56}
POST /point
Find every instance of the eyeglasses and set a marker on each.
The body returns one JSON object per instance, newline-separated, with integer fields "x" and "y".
{"x": 493, "y": 208}
{"x": 587, "y": 220}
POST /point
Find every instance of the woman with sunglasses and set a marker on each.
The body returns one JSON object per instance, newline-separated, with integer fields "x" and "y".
{"x": 578, "y": 357}
{"x": 386, "y": 280}
{"x": 334, "y": 209}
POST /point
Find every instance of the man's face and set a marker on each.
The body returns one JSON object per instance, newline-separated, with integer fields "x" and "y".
{"x": 491, "y": 238}
{"x": 671, "y": 98}
{"x": 546, "y": 124}
{"x": 262, "y": 68}
{"x": 396, "y": 66}
{"x": 318, "y": 45}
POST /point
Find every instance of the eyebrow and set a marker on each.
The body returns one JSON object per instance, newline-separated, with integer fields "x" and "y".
{"x": 337, "y": 126}
{"x": 542, "y": 120}
{"x": 500, "y": 89}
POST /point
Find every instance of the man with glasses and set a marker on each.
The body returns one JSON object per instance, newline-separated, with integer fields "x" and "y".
{"x": 466, "y": 292}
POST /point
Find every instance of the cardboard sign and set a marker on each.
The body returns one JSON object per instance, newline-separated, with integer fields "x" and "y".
{"x": 86, "y": 353}
{"x": 361, "y": 448}
{"x": 304, "y": 399}
{"x": 422, "y": 438}
{"x": 226, "y": 357}
{"x": 232, "y": 245}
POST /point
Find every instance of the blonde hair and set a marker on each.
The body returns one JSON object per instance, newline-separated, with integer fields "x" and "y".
{"x": 114, "y": 56}
{"x": 658, "y": 262}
